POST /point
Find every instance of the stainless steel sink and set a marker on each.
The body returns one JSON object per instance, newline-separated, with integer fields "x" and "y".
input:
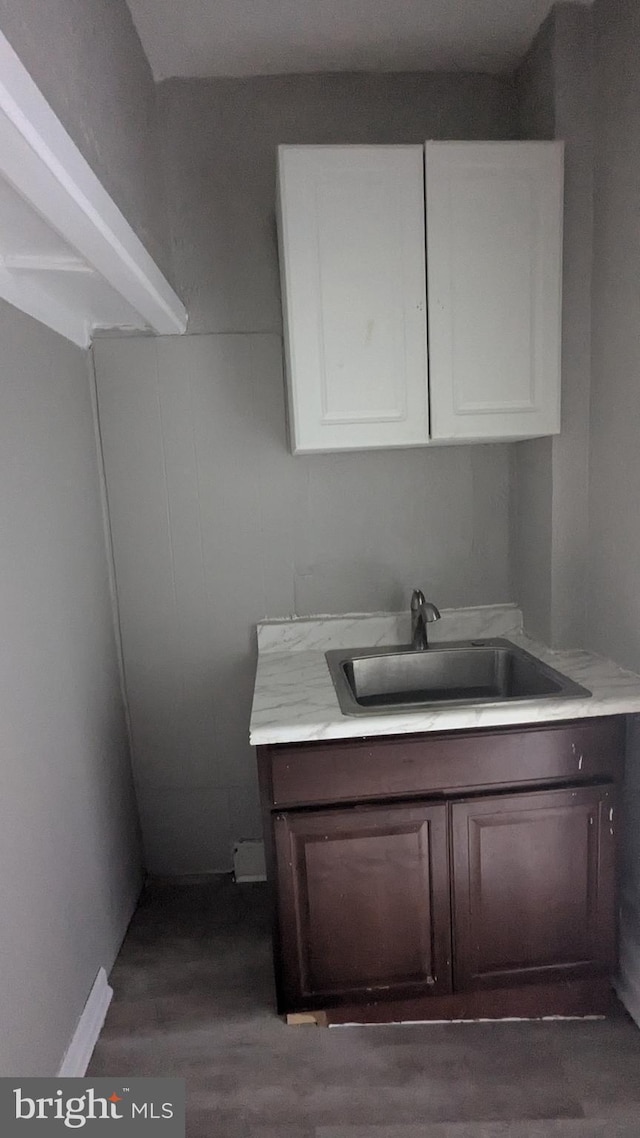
{"x": 377, "y": 680}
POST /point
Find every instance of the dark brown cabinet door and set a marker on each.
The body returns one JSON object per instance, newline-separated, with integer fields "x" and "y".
{"x": 364, "y": 904}
{"x": 534, "y": 888}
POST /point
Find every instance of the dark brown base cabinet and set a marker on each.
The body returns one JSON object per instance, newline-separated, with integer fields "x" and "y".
{"x": 492, "y": 894}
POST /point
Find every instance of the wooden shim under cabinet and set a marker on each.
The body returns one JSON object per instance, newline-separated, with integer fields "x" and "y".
{"x": 299, "y": 1019}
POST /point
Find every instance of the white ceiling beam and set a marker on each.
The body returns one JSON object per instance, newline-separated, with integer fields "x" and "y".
{"x": 44, "y": 263}
{"x": 44, "y": 306}
{"x": 40, "y": 160}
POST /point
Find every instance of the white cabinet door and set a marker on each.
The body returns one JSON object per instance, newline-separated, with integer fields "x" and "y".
{"x": 494, "y": 241}
{"x": 352, "y": 258}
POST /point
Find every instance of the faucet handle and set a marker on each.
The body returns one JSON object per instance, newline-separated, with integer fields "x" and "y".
{"x": 417, "y": 599}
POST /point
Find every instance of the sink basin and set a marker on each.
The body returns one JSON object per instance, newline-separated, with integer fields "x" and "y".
{"x": 377, "y": 680}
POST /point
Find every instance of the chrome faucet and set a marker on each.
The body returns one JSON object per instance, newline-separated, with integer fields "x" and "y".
{"x": 422, "y": 614}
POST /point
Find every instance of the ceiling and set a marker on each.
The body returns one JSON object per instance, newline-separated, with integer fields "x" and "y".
{"x": 203, "y": 38}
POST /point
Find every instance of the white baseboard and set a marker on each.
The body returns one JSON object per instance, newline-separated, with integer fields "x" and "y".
{"x": 248, "y": 862}
{"x": 85, "y": 1037}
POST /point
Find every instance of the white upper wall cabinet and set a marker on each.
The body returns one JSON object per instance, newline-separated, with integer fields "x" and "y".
{"x": 494, "y": 269}
{"x": 352, "y": 251}
{"x": 354, "y": 295}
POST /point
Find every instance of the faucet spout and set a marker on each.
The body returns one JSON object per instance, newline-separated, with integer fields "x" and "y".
{"x": 422, "y": 613}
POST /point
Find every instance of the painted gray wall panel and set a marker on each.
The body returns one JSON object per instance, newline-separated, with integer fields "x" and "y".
{"x": 68, "y": 832}
{"x": 574, "y": 123}
{"x": 532, "y": 465}
{"x": 87, "y": 59}
{"x": 535, "y": 81}
{"x": 612, "y": 616}
{"x": 215, "y": 526}
{"x": 550, "y": 508}
{"x": 613, "y": 623}
{"x": 220, "y": 139}
{"x": 531, "y": 534}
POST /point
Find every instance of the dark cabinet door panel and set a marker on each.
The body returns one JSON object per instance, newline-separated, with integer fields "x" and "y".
{"x": 534, "y": 887}
{"x": 364, "y": 903}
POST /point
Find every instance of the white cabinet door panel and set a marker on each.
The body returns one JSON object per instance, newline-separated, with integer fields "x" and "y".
{"x": 354, "y": 294}
{"x": 494, "y": 239}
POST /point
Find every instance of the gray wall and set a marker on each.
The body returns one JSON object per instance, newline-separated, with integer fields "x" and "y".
{"x": 550, "y": 510}
{"x": 220, "y": 140}
{"x": 68, "y": 835}
{"x": 612, "y": 621}
{"x": 570, "y": 450}
{"x": 532, "y": 485}
{"x": 86, "y": 58}
{"x": 215, "y": 524}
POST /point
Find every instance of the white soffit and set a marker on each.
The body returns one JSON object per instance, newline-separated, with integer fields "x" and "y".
{"x": 68, "y": 256}
{"x": 202, "y": 38}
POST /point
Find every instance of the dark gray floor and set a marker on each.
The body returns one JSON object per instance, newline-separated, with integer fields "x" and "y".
{"x": 193, "y": 998}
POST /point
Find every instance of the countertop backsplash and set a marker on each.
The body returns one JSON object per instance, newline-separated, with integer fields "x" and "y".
{"x": 383, "y": 629}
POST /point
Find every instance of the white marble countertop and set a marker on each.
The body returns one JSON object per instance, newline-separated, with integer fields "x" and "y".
{"x": 295, "y": 701}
